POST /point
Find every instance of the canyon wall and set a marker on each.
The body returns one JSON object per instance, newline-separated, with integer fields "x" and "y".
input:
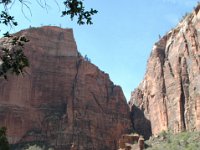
{"x": 169, "y": 96}
{"x": 62, "y": 100}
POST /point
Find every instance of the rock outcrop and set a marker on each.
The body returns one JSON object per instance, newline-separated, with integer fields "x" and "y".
{"x": 63, "y": 100}
{"x": 131, "y": 142}
{"x": 169, "y": 95}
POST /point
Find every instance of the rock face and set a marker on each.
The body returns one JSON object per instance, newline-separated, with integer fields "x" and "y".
{"x": 169, "y": 95}
{"x": 63, "y": 100}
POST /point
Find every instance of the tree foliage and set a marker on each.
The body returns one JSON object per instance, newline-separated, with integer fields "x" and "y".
{"x": 4, "y": 145}
{"x": 12, "y": 57}
{"x": 76, "y": 8}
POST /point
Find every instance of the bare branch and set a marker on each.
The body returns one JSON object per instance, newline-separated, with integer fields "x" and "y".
{"x": 12, "y": 4}
{"x": 40, "y": 3}
{"x": 43, "y": 4}
{"x": 24, "y": 3}
{"x": 57, "y": 4}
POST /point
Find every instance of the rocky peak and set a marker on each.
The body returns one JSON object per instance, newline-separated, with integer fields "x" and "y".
{"x": 63, "y": 101}
{"x": 169, "y": 95}
{"x": 60, "y": 41}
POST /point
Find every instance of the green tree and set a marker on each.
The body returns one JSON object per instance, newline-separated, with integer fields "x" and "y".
{"x": 4, "y": 145}
{"x": 12, "y": 59}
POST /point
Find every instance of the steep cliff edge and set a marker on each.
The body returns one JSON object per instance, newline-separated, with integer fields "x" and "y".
{"x": 63, "y": 99}
{"x": 169, "y": 95}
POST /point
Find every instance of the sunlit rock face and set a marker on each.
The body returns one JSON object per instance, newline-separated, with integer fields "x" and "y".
{"x": 169, "y": 95}
{"x": 62, "y": 100}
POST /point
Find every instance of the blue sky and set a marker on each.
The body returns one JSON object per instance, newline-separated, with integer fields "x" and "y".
{"x": 120, "y": 40}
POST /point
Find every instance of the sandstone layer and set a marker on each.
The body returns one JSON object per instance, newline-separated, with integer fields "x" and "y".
{"x": 169, "y": 95}
{"x": 63, "y": 99}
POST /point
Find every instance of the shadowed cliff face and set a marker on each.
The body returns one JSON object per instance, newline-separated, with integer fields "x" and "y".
{"x": 63, "y": 99}
{"x": 170, "y": 92}
{"x": 140, "y": 122}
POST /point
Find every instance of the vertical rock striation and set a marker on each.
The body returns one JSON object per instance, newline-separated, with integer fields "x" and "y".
{"x": 63, "y": 99}
{"x": 169, "y": 95}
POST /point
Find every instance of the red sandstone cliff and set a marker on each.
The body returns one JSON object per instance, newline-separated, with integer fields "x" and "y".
{"x": 169, "y": 95}
{"x": 63, "y": 99}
